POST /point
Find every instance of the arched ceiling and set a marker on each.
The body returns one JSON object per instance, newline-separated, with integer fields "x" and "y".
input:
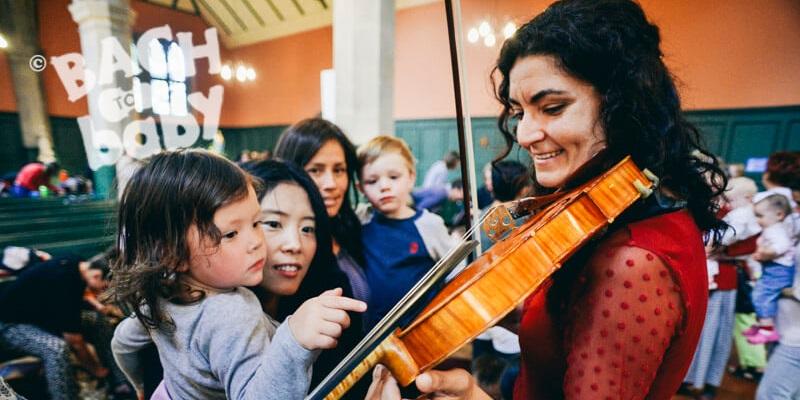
{"x": 244, "y": 22}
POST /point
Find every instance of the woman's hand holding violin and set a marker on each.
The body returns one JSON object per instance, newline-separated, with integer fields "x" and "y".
{"x": 454, "y": 384}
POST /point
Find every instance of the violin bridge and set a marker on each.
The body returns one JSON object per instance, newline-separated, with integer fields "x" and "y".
{"x": 497, "y": 223}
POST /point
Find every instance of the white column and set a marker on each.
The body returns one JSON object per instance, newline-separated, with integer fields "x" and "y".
{"x": 98, "y": 20}
{"x": 363, "y": 58}
{"x": 20, "y": 24}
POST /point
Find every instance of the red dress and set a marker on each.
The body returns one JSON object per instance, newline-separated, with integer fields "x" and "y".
{"x": 634, "y": 318}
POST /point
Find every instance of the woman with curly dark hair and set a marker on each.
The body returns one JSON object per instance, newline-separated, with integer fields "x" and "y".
{"x": 582, "y": 85}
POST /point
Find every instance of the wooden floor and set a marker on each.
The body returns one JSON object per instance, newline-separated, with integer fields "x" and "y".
{"x": 732, "y": 389}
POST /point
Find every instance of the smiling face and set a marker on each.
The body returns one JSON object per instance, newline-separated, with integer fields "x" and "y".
{"x": 290, "y": 234}
{"x": 387, "y": 182}
{"x": 328, "y": 169}
{"x": 238, "y": 259}
{"x": 558, "y": 118}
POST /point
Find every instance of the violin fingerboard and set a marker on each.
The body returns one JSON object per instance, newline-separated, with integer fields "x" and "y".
{"x": 354, "y": 376}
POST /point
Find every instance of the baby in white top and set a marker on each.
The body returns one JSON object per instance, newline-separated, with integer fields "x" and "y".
{"x": 778, "y": 272}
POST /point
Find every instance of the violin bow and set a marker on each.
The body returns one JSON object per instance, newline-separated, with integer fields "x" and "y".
{"x": 406, "y": 308}
{"x": 466, "y": 151}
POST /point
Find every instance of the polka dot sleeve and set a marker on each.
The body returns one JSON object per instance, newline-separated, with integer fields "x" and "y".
{"x": 623, "y": 316}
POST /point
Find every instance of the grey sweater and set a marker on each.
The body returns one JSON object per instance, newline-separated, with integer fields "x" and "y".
{"x": 222, "y": 347}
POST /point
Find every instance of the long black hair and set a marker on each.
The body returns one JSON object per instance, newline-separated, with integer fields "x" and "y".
{"x": 172, "y": 191}
{"x": 323, "y": 273}
{"x": 298, "y": 144}
{"x": 610, "y": 45}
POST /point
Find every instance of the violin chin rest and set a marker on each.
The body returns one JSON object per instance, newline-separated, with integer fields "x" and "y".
{"x": 643, "y": 190}
{"x": 651, "y": 176}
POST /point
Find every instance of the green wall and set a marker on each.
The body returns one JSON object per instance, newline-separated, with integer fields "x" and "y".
{"x": 66, "y": 140}
{"x": 430, "y": 139}
{"x": 734, "y": 135}
{"x": 258, "y": 139}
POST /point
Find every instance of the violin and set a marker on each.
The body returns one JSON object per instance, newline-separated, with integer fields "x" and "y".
{"x": 495, "y": 283}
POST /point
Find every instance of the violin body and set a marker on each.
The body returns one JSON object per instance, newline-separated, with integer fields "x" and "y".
{"x": 504, "y": 276}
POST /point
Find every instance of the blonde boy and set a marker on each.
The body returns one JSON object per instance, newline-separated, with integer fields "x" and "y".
{"x": 400, "y": 243}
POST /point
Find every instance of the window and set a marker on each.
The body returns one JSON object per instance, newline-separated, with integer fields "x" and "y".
{"x": 168, "y": 86}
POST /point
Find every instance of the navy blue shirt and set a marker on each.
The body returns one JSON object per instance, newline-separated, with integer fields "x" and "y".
{"x": 48, "y": 295}
{"x": 396, "y": 259}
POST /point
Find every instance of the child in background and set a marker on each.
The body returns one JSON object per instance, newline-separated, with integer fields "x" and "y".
{"x": 737, "y": 211}
{"x": 190, "y": 239}
{"x": 714, "y": 348}
{"x": 400, "y": 243}
{"x": 741, "y": 219}
{"x": 777, "y": 273}
{"x": 735, "y": 269}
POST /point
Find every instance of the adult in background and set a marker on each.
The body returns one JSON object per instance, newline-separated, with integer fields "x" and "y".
{"x": 48, "y": 321}
{"x": 435, "y": 186}
{"x": 509, "y": 180}
{"x": 585, "y": 82}
{"x": 32, "y": 176}
{"x": 321, "y": 149}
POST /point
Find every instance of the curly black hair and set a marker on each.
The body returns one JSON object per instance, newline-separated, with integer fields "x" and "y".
{"x": 610, "y": 45}
{"x": 783, "y": 169}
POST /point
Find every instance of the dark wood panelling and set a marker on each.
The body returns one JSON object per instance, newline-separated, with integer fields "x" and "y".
{"x": 12, "y": 154}
{"x": 713, "y": 135}
{"x": 736, "y": 135}
{"x": 257, "y": 138}
{"x": 431, "y": 139}
{"x": 752, "y": 139}
{"x": 793, "y": 134}
{"x": 68, "y": 144}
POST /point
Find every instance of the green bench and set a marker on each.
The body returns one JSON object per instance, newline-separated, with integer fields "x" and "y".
{"x": 81, "y": 227}
{"x": 56, "y": 209}
{"x": 22, "y": 225}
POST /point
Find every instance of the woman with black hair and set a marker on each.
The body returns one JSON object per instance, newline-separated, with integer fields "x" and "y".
{"x": 325, "y": 153}
{"x": 314, "y": 258}
{"x": 300, "y": 262}
{"x": 321, "y": 149}
{"x": 582, "y": 85}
